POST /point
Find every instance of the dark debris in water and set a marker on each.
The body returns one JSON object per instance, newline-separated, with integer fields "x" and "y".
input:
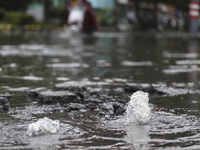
{"x": 94, "y": 96}
{"x": 50, "y": 97}
{"x": 78, "y": 101}
{"x": 160, "y": 89}
{"x": 80, "y": 97}
{"x": 5, "y": 102}
{"x": 75, "y": 95}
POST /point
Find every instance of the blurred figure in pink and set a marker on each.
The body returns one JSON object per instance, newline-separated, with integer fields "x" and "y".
{"x": 81, "y": 17}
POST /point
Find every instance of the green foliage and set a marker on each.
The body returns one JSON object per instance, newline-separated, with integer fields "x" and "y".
{"x": 105, "y": 16}
{"x": 14, "y": 5}
{"x": 58, "y": 12}
{"x": 2, "y": 13}
{"x": 179, "y": 4}
{"x": 18, "y": 18}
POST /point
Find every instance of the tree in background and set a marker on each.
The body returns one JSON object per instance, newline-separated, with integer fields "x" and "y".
{"x": 179, "y": 4}
{"x": 21, "y": 5}
{"x": 16, "y": 5}
{"x": 182, "y": 5}
{"x": 47, "y": 5}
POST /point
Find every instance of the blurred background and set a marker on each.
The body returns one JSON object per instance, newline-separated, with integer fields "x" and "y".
{"x": 119, "y": 15}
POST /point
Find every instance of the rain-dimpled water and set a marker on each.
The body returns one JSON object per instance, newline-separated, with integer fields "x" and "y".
{"x": 109, "y": 90}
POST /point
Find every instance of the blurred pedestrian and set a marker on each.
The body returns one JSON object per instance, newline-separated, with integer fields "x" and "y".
{"x": 75, "y": 15}
{"x": 81, "y": 17}
{"x": 131, "y": 16}
{"x": 90, "y": 23}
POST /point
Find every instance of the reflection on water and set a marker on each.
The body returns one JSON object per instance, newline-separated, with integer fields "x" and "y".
{"x": 138, "y": 136}
{"x": 106, "y": 61}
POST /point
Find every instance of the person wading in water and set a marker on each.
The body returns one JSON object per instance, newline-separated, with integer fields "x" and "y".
{"x": 81, "y": 17}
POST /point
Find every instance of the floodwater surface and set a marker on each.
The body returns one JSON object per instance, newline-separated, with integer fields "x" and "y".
{"x": 111, "y": 66}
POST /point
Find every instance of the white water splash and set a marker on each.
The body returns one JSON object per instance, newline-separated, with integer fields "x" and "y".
{"x": 43, "y": 126}
{"x": 138, "y": 111}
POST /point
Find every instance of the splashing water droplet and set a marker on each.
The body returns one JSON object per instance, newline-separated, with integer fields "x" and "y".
{"x": 44, "y": 125}
{"x": 138, "y": 110}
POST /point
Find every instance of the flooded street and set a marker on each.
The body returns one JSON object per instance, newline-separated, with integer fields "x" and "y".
{"x": 101, "y": 72}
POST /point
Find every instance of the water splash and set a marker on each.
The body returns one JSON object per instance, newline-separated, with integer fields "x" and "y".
{"x": 44, "y": 125}
{"x": 138, "y": 111}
